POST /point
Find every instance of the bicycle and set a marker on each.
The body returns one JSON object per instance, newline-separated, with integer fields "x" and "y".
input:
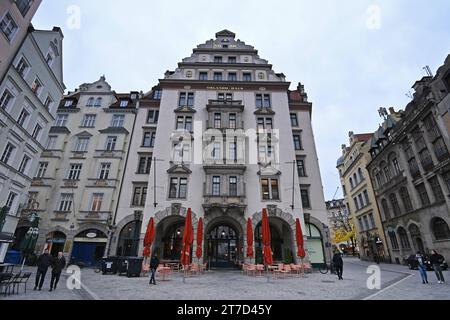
{"x": 324, "y": 268}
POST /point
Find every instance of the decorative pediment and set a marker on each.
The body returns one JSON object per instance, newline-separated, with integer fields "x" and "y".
{"x": 185, "y": 109}
{"x": 264, "y": 112}
{"x": 83, "y": 134}
{"x": 179, "y": 169}
{"x": 118, "y": 130}
{"x": 59, "y": 130}
{"x": 225, "y": 33}
{"x": 268, "y": 170}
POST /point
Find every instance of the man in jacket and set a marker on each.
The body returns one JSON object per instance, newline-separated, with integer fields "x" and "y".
{"x": 338, "y": 264}
{"x": 59, "y": 263}
{"x": 43, "y": 262}
{"x": 154, "y": 263}
{"x": 436, "y": 259}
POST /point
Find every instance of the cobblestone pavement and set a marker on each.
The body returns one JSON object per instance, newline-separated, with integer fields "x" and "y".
{"x": 397, "y": 283}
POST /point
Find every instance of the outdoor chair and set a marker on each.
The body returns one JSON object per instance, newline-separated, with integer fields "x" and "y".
{"x": 194, "y": 269}
{"x": 288, "y": 270}
{"x": 259, "y": 269}
{"x": 307, "y": 267}
{"x": 8, "y": 282}
{"x": 251, "y": 269}
{"x": 5, "y": 279}
{"x": 279, "y": 271}
{"x": 244, "y": 269}
{"x": 21, "y": 279}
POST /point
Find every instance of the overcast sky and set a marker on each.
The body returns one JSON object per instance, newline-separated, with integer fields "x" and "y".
{"x": 352, "y": 56}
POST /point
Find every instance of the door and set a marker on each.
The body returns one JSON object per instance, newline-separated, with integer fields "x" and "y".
{"x": 223, "y": 253}
{"x": 84, "y": 252}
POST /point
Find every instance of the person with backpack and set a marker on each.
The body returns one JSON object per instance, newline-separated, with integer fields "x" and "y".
{"x": 436, "y": 260}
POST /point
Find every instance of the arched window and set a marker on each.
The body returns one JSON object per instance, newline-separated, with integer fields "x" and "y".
{"x": 90, "y": 102}
{"x": 355, "y": 179}
{"x": 393, "y": 238}
{"x": 440, "y": 229}
{"x": 406, "y": 199}
{"x": 384, "y": 204}
{"x": 404, "y": 241}
{"x": 395, "y": 205}
{"x": 129, "y": 239}
{"x": 351, "y": 183}
{"x": 360, "y": 173}
{"x": 98, "y": 102}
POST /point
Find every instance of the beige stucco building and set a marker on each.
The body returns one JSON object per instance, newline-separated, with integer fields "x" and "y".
{"x": 358, "y": 192}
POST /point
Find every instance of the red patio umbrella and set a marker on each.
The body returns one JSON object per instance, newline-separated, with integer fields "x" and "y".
{"x": 188, "y": 239}
{"x": 199, "y": 238}
{"x": 149, "y": 237}
{"x": 267, "y": 250}
{"x": 250, "y": 252}
{"x": 299, "y": 237}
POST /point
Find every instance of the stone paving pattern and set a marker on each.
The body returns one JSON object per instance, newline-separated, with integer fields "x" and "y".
{"x": 232, "y": 285}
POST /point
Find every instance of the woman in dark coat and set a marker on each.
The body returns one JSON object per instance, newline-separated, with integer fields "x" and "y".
{"x": 436, "y": 259}
{"x": 338, "y": 264}
{"x": 58, "y": 264}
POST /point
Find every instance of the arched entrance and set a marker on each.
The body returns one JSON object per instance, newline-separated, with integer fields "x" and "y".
{"x": 169, "y": 237}
{"x": 281, "y": 241}
{"x": 88, "y": 247}
{"x": 55, "y": 242}
{"x": 223, "y": 247}
{"x": 129, "y": 237}
{"x": 416, "y": 238}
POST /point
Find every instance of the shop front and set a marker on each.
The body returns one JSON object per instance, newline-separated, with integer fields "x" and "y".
{"x": 88, "y": 247}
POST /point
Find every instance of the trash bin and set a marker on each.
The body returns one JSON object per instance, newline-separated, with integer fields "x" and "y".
{"x": 134, "y": 266}
{"x": 122, "y": 265}
{"x": 109, "y": 265}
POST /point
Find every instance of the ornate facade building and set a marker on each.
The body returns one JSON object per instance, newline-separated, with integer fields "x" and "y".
{"x": 358, "y": 192}
{"x": 410, "y": 170}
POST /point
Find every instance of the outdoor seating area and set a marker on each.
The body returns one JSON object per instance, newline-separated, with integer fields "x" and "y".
{"x": 279, "y": 270}
{"x": 11, "y": 282}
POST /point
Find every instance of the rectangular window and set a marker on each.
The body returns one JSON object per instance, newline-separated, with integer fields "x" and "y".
{"x": 216, "y": 186}
{"x": 68, "y": 103}
{"x": 149, "y": 139}
{"x": 232, "y": 76}
{"x": 104, "y": 171}
{"x": 97, "y": 200}
{"x": 124, "y": 103}
{"x": 22, "y": 67}
{"x": 23, "y": 117}
{"x": 355, "y": 201}
{"x": 51, "y": 143}
{"x": 247, "y": 76}
{"x": 111, "y": 143}
{"x": 265, "y": 189}
{"x": 361, "y": 200}
{"x": 269, "y": 124}
{"x": 232, "y": 121}
{"x": 372, "y": 220}
{"x": 8, "y": 27}
{"x": 61, "y": 120}
{"x": 49, "y": 59}
{"x": 89, "y": 121}
{"x": 144, "y": 166}
{"x": 48, "y": 103}
{"x": 42, "y": 168}
{"x": 5, "y": 99}
{"x": 203, "y": 76}
{"x": 36, "y": 132}
{"x": 152, "y": 116}
{"x": 139, "y": 196}
{"x": 74, "y": 171}
{"x": 217, "y": 76}
{"x": 233, "y": 151}
{"x": 446, "y": 177}
{"x": 233, "y": 187}
{"x": 216, "y": 151}
{"x": 7, "y": 153}
{"x": 10, "y": 200}
{"x": 360, "y": 223}
{"x": 306, "y": 203}
{"x": 269, "y": 188}
{"x": 36, "y": 86}
{"x": 217, "y": 59}
{"x": 440, "y": 149}
{"x": 157, "y": 95}
{"x": 217, "y": 120}
{"x": 231, "y": 59}
{"x": 24, "y": 6}
{"x": 118, "y": 120}
{"x": 297, "y": 142}
{"x": 178, "y": 188}
{"x": 437, "y": 190}
{"x": 182, "y": 99}
{"x": 82, "y": 145}
{"x": 24, "y": 164}
{"x": 274, "y": 189}
{"x": 366, "y": 223}
{"x": 65, "y": 203}
{"x": 366, "y": 197}
{"x": 294, "y": 120}
{"x": 424, "y": 199}
{"x": 301, "y": 168}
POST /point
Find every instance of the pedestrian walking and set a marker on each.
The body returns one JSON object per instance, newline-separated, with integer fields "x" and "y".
{"x": 436, "y": 260}
{"x": 44, "y": 261}
{"x": 422, "y": 268}
{"x": 338, "y": 264}
{"x": 154, "y": 263}
{"x": 59, "y": 263}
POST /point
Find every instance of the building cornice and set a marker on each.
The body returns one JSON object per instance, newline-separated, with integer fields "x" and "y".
{"x": 224, "y": 85}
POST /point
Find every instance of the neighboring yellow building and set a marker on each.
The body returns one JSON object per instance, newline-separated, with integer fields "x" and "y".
{"x": 358, "y": 192}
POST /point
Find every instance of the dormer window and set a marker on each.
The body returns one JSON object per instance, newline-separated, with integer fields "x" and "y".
{"x": 98, "y": 102}
{"x": 124, "y": 103}
{"x": 68, "y": 103}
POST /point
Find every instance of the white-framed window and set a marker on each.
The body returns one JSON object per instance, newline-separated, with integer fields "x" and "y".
{"x": 96, "y": 203}
{"x": 148, "y": 140}
{"x": 10, "y": 201}
{"x": 23, "y": 117}
{"x": 263, "y": 101}
{"x": 68, "y": 103}
{"x": 22, "y": 67}
{"x": 104, "y": 171}
{"x": 118, "y": 120}
{"x": 36, "y": 87}
{"x": 9, "y": 27}
{"x": 48, "y": 102}
{"x": 90, "y": 102}
{"x": 49, "y": 59}
{"x": 51, "y": 143}
{"x": 216, "y": 185}
{"x": 82, "y": 144}
{"x": 37, "y": 131}
{"x": 98, "y": 102}
{"x": 23, "y": 168}
{"x": 178, "y": 188}
{"x": 139, "y": 195}
{"x": 123, "y": 103}
{"x": 89, "y": 120}
{"x": 42, "y": 168}
{"x": 111, "y": 143}
{"x": 6, "y": 99}
{"x": 74, "y": 171}
{"x": 269, "y": 189}
{"x": 145, "y": 163}
{"x": 24, "y": 6}
{"x": 65, "y": 202}
{"x": 152, "y": 116}
{"x": 8, "y": 153}
{"x": 61, "y": 120}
